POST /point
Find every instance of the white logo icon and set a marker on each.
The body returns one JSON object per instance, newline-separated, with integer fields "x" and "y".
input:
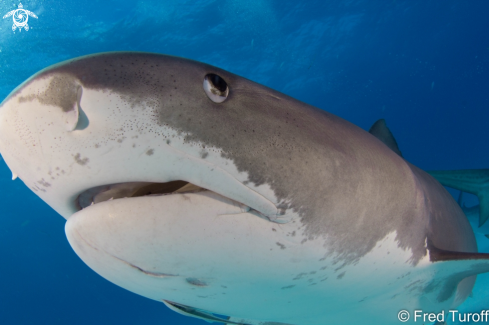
{"x": 20, "y": 17}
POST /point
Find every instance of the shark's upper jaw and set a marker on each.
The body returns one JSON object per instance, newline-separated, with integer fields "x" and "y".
{"x": 111, "y": 192}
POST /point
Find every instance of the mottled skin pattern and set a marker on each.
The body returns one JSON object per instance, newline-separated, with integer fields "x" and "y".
{"x": 343, "y": 184}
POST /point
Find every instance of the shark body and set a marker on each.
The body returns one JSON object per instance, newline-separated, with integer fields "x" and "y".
{"x": 190, "y": 185}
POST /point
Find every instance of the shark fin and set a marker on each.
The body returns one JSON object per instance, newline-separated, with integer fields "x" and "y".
{"x": 441, "y": 255}
{"x": 474, "y": 181}
{"x": 460, "y": 200}
{"x": 453, "y": 267}
{"x": 197, "y": 313}
{"x": 380, "y": 130}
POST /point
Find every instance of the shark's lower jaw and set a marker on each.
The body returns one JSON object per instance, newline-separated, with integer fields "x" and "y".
{"x": 155, "y": 245}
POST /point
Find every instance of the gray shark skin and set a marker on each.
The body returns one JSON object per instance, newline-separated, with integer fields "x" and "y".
{"x": 190, "y": 185}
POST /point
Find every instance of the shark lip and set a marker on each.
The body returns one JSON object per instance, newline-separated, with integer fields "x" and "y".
{"x": 116, "y": 191}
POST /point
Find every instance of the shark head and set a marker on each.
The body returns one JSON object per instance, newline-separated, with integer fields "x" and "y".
{"x": 187, "y": 184}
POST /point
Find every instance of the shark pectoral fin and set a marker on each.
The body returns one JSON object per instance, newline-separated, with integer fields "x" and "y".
{"x": 197, "y": 313}
{"x": 441, "y": 255}
{"x": 460, "y": 200}
{"x": 474, "y": 181}
{"x": 380, "y": 130}
{"x": 453, "y": 271}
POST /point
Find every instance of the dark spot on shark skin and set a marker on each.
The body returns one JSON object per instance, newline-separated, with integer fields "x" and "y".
{"x": 150, "y": 152}
{"x": 204, "y": 154}
{"x": 416, "y": 284}
{"x": 340, "y": 267}
{"x": 44, "y": 183}
{"x": 341, "y": 275}
{"x": 79, "y": 160}
{"x": 282, "y": 246}
{"x": 404, "y": 275}
{"x": 299, "y": 276}
{"x": 168, "y": 141}
{"x": 196, "y": 282}
{"x": 273, "y": 229}
{"x": 288, "y": 287}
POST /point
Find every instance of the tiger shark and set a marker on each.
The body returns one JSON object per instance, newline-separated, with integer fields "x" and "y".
{"x": 231, "y": 202}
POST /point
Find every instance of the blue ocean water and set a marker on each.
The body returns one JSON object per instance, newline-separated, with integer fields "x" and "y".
{"x": 421, "y": 65}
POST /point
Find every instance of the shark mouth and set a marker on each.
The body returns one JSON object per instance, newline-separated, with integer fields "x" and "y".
{"x": 109, "y": 192}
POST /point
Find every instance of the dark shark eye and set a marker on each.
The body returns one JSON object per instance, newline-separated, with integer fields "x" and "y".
{"x": 216, "y": 88}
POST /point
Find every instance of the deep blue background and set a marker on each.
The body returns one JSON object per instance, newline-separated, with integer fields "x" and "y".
{"x": 422, "y": 65}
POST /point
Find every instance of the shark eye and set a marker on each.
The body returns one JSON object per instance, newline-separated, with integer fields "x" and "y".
{"x": 216, "y": 88}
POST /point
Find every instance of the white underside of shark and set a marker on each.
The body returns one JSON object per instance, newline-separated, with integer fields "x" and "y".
{"x": 378, "y": 284}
